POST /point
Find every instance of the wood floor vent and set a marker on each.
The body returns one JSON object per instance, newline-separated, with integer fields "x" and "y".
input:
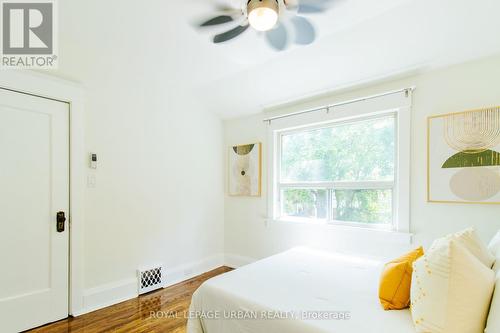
{"x": 151, "y": 279}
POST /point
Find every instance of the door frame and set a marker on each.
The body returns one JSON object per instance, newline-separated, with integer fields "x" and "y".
{"x": 46, "y": 86}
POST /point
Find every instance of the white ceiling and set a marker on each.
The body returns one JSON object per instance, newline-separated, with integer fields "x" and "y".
{"x": 358, "y": 41}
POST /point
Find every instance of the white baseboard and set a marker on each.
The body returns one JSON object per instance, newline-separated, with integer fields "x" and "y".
{"x": 235, "y": 261}
{"x": 116, "y": 292}
{"x": 108, "y": 294}
{"x": 190, "y": 270}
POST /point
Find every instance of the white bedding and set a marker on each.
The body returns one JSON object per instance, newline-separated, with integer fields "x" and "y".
{"x": 290, "y": 283}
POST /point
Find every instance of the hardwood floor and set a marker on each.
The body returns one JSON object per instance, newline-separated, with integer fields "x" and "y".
{"x": 135, "y": 315}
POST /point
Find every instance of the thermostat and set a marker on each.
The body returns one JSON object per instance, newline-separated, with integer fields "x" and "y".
{"x": 93, "y": 161}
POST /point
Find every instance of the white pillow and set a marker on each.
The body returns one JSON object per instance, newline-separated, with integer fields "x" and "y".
{"x": 493, "y": 325}
{"x": 451, "y": 290}
{"x": 494, "y": 244}
{"x": 471, "y": 241}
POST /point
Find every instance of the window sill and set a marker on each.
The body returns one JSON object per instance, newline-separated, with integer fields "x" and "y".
{"x": 368, "y": 232}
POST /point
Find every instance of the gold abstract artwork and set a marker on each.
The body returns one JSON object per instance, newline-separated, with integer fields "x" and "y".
{"x": 463, "y": 157}
{"x": 473, "y": 132}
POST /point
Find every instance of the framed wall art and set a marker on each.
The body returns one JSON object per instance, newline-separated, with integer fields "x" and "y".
{"x": 245, "y": 170}
{"x": 463, "y": 162}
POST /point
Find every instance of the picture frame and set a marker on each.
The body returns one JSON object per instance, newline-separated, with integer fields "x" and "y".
{"x": 463, "y": 157}
{"x": 245, "y": 170}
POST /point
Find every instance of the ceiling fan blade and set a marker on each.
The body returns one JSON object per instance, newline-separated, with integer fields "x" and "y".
{"x": 221, "y": 19}
{"x": 228, "y": 35}
{"x": 304, "y": 30}
{"x": 277, "y": 37}
{"x": 309, "y": 9}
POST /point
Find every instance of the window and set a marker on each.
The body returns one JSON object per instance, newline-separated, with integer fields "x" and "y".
{"x": 342, "y": 172}
{"x": 348, "y": 166}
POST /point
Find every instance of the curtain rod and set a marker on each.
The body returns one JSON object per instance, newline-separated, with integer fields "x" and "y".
{"x": 331, "y": 106}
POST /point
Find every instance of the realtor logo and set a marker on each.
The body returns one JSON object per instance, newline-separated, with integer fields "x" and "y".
{"x": 28, "y": 34}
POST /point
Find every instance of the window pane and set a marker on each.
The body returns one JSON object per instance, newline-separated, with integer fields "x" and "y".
{"x": 362, "y": 150}
{"x": 363, "y": 206}
{"x": 305, "y": 203}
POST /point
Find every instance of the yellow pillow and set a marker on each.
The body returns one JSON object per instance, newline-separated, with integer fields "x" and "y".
{"x": 395, "y": 282}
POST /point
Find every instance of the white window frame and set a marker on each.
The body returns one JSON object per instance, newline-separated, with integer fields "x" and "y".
{"x": 340, "y": 185}
{"x": 398, "y": 106}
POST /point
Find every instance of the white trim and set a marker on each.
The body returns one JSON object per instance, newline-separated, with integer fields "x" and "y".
{"x": 401, "y": 192}
{"x": 187, "y": 271}
{"x": 107, "y": 295}
{"x": 343, "y": 185}
{"x": 397, "y": 104}
{"x": 53, "y": 88}
{"x": 273, "y": 150}
{"x": 116, "y": 292}
{"x": 351, "y": 230}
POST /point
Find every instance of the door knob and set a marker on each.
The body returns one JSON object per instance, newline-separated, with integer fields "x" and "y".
{"x": 60, "y": 219}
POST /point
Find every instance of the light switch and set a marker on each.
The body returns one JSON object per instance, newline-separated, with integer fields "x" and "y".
{"x": 91, "y": 181}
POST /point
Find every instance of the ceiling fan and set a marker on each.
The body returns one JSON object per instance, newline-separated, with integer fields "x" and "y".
{"x": 280, "y": 20}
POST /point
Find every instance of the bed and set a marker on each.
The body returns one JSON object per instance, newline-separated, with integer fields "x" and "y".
{"x": 298, "y": 291}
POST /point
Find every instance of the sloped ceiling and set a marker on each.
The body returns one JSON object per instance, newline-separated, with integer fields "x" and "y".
{"x": 358, "y": 41}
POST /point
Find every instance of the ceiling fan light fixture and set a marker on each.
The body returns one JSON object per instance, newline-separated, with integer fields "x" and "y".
{"x": 263, "y": 14}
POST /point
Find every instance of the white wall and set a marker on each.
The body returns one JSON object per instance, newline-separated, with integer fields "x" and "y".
{"x": 159, "y": 196}
{"x": 159, "y": 182}
{"x": 462, "y": 87}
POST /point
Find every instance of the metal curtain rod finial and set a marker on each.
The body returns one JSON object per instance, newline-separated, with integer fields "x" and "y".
{"x": 329, "y": 108}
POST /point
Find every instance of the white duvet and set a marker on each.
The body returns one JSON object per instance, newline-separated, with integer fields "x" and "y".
{"x": 298, "y": 291}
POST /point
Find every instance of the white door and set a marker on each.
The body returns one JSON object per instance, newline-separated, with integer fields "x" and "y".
{"x": 34, "y": 187}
